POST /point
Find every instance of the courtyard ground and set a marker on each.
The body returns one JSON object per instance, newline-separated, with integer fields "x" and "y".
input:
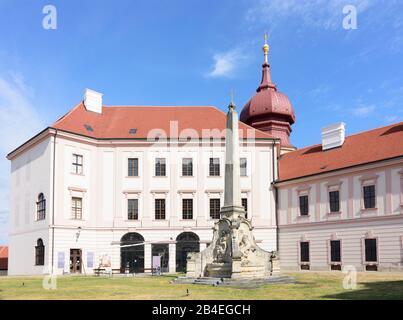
{"x": 307, "y": 285}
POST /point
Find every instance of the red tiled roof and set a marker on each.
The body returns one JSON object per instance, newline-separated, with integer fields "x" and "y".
{"x": 366, "y": 147}
{"x": 3, "y": 252}
{"x": 115, "y": 122}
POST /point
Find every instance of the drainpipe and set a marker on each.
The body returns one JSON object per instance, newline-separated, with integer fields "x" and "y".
{"x": 276, "y": 199}
{"x": 53, "y": 200}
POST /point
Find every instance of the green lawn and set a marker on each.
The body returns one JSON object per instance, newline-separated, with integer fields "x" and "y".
{"x": 306, "y": 286}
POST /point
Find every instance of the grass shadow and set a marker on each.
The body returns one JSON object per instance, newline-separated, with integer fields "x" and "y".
{"x": 385, "y": 290}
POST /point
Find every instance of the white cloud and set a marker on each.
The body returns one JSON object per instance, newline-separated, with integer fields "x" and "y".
{"x": 226, "y": 64}
{"x": 327, "y": 14}
{"x": 363, "y": 111}
{"x": 19, "y": 121}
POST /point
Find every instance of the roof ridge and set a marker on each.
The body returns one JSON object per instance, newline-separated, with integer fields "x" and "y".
{"x": 66, "y": 114}
{"x": 349, "y": 136}
{"x": 154, "y": 106}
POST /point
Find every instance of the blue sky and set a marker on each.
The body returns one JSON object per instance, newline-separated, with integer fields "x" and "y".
{"x": 193, "y": 52}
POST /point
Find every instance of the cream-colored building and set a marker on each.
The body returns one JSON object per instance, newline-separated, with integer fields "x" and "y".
{"x": 113, "y": 187}
{"x": 103, "y": 177}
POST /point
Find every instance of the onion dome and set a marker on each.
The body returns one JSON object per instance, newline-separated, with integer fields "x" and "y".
{"x": 269, "y": 110}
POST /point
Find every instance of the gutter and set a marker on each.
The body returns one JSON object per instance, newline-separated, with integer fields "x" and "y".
{"x": 276, "y": 199}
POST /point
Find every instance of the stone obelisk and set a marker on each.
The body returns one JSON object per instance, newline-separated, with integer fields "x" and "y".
{"x": 232, "y": 191}
{"x": 233, "y": 252}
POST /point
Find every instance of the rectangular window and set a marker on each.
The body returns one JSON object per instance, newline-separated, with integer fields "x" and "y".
{"x": 243, "y": 164}
{"x": 76, "y": 208}
{"x": 41, "y": 207}
{"x": 303, "y": 205}
{"x": 214, "y": 167}
{"x": 334, "y": 201}
{"x": 335, "y": 251}
{"x": 40, "y": 255}
{"x": 160, "y": 167}
{"x": 215, "y": 209}
{"x": 133, "y": 167}
{"x": 304, "y": 248}
{"x": 371, "y": 254}
{"x": 159, "y": 209}
{"x": 369, "y": 197}
{"x": 187, "y": 167}
{"x": 187, "y": 209}
{"x": 245, "y": 206}
{"x": 132, "y": 209}
{"x": 77, "y": 165}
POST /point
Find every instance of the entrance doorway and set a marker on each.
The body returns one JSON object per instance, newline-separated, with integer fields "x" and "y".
{"x": 186, "y": 242}
{"x": 132, "y": 253}
{"x": 163, "y": 251}
{"x": 75, "y": 261}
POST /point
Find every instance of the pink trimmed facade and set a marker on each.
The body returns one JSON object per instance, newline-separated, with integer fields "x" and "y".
{"x": 351, "y": 225}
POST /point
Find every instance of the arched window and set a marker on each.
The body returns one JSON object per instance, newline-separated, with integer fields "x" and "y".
{"x": 41, "y": 207}
{"x": 39, "y": 253}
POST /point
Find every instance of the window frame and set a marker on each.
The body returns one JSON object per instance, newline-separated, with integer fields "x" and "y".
{"x": 303, "y": 214}
{"x": 334, "y": 202}
{"x": 133, "y": 170}
{"x": 77, "y": 167}
{"x": 39, "y": 253}
{"x": 160, "y": 167}
{"x": 41, "y": 207}
{"x": 214, "y": 215}
{"x": 371, "y": 198}
{"x": 368, "y": 180}
{"x": 159, "y": 209}
{"x": 133, "y": 216}
{"x": 245, "y": 206}
{"x": 76, "y": 212}
{"x": 301, "y": 262}
{"x": 243, "y": 166}
{"x": 187, "y": 211}
{"x": 187, "y": 168}
{"x": 214, "y": 168}
{"x": 331, "y": 261}
{"x": 367, "y": 262}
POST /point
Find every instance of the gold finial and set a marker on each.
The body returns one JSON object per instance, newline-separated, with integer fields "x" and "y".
{"x": 266, "y": 47}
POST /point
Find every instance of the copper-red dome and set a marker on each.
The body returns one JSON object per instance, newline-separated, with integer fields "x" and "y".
{"x": 269, "y": 110}
{"x": 268, "y": 103}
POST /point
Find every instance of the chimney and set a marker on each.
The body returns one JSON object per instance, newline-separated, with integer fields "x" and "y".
{"x": 333, "y": 136}
{"x": 93, "y": 101}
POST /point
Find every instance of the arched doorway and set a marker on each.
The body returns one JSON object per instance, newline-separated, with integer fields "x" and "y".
{"x": 132, "y": 253}
{"x": 186, "y": 242}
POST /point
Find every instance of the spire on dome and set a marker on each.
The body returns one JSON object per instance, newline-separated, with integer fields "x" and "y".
{"x": 266, "y": 48}
{"x": 269, "y": 110}
{"x": 266, "y": 82}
